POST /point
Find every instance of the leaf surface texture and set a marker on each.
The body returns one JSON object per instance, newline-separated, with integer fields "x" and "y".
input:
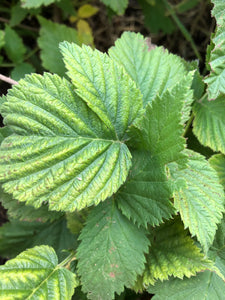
{"x": 117, "y": 250}
{"x": 37, "y": 276}
{"x": 61, "y": 151}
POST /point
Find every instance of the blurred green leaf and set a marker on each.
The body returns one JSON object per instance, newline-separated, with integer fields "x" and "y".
{"x": 2, "y": 38}
{"x": 36, "y": 3}
{"x": 21, "y": 70}
{"x": 14, "y": 46}
{"x": 155, "y": 17}
{"x": 51, "y": 34}
{"x": 18, "y": 14}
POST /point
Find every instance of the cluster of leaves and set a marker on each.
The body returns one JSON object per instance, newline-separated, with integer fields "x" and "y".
{"x": 97, "y": 165}
{"x": 27, "y": 31}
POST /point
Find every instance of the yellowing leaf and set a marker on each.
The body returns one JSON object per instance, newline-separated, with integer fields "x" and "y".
{"x": 87, "y": 10}
{"x": 85, "y": 33}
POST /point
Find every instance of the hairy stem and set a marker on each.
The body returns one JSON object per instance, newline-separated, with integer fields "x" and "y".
{"x": 8, "y": 79}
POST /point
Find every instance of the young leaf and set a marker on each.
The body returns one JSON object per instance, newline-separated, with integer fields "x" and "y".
{"x": 36, "y": 3}
{"x": 209, "y": 123}
{"x": 111, "y": 253}
{"x": 62, "y": 152}
{"x": 37, "y": 276}
{"x": 17, "y": 236}
{"x": 152, "y": 68}
{"x": 118, "y": 6}
{"x": 172, "y": 252}
{"x": 14, "y": 47}
{"x": 145, "y": 196}
{"x": 51, "y": 34}
{"x": 104, "y": 85}
{"x": 160, "y": 131}
{"x": 201, "y": 202}
{"x": 218, "y": 163}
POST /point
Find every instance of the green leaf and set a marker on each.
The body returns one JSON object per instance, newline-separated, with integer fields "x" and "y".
{"x": 61, "y": 151}
{"x": 145, "y": 196}
{"x": 37, "y": 276}
{"x": 205, "y": 285}
{"x": 51, "y": 34}
{"x": 216, "y": 53}
{"x": 2, "y": 38}
{"x": 21, "y": 70}
{"x": 104, "y": 85}
{"x": 4, "y": 132}
{"x": 160, "y": 131}
{"x": 156, "y": 16}
{"x": 17, "y": 236}
{"x": 201, "y": 202}
{"x": 218, "y": 163}
{"x": 36, "y": 3}
{"x": 219, "y": 11}
{"x": 152, "y": 68}
{"x": 14, "y": 47}
{"x": 22, "y": 212}
{"x": 118, "y": 6}
{"x": 111, "y": 253}
{"x": 18, "y": 14}
{"x": 216, "y": 79}
{"x": 172, "y": 252}
{"x": 209, "y": 123}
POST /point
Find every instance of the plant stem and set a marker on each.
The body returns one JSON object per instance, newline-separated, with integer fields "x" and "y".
{"x": 182, "y": 28}
{"x": 67, "y": 260}
{"x": 188, "y": 124}
{"x": 8, "y": 79}
{"x": 3, "y": 20}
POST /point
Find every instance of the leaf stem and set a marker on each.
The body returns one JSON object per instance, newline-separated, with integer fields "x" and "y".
{"x": 67, "y": 259}
{"x": 8, "y": 79}
{"x": 188, "y": 124}
{"x": 182, "y": 28}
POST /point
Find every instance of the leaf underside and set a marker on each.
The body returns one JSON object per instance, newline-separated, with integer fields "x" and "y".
{"x": 117, "y": 250}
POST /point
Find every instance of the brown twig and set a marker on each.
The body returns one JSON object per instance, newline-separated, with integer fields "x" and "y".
{"x": 3, "y": 20}
{"x": 8, "y": 79}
